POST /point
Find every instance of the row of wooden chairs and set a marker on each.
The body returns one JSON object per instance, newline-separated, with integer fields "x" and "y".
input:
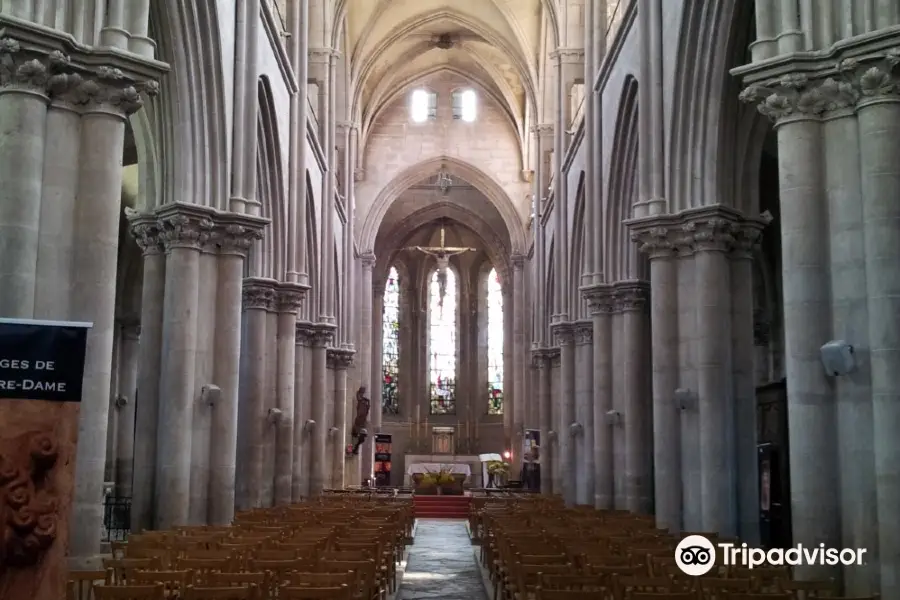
{"x": 342, "y": 547}
{"x": 534, "y": 548}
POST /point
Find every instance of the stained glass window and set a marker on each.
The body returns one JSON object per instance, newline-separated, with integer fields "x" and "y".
{"x": 390, "y": 345}
{"x": 442, "y": 342}
{"x": 495, "y": 343}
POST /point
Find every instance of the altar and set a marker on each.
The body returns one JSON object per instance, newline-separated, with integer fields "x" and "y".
{"x": 462, "y": 464}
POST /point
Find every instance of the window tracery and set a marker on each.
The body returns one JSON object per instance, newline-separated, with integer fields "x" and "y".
{"x": 495, "y": 343}
{"x": 442, "y": 335}
{"x": 390, "y": 345}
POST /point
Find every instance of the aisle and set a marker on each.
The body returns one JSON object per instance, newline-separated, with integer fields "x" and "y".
{"x": 441, "y": 564}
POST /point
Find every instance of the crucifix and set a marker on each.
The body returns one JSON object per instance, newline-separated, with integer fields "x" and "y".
{"x": 442, "y": 256}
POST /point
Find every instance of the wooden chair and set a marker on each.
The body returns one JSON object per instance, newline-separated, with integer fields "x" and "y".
{"x": 312, "y": 593}
{"x": 250, "y": 592}
{"x": 174, "y": 582}
{"x": 802, "y": 590}
{"x": 128, "y": 592}
{"x": 80, "y": 583}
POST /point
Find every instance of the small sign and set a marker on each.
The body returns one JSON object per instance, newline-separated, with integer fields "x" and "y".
{"x": 42, "y": 360}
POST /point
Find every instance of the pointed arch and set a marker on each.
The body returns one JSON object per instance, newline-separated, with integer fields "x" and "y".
{"x": 190, "y": 112}
{"x": 577, "y": 259}
{"x": 620, "y": 196}
{"x": 270, "y": 186}
{"x": 709, "y": 37}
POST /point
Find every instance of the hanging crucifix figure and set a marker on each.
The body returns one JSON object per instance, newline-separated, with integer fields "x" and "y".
{"x": 442, "y": 256}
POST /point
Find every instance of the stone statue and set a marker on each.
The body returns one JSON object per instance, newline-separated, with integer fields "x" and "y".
{"x": 362, "y": 416}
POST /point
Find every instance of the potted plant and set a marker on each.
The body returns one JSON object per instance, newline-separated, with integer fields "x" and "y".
{"x": 426, "y": 484}
{"x": 498, "y": 472}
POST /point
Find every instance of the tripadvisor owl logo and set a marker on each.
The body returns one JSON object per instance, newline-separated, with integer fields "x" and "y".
{"x": 695, "y": 555}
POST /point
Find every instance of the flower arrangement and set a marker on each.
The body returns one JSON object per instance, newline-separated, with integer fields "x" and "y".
{"x": 442, "y": 476}
{"x": 498, "y": 467}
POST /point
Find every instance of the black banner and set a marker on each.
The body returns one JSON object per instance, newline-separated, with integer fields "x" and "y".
{"x": 42, "y": 360}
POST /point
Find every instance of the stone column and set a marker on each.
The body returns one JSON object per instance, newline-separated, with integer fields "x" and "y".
{"x": 23, "y": 115}
{"x": 616, "y": 423}
{"x": 298, "y": 51}
{"x": 258, "y": 300}
{"x": 745, "y": 403}
{"x": 288, "y": 297}
{"x": 542, "y": 360}
{"x": 341, "y": 360}
{"x": 185, "y": 229}
{"x": 601, "y": 302}
{"x": 879, "y": 115}
{"x": 653, "y": 237}
{"x": 302, "y": 410}
{"x": 125, "y": 402}
{"x": 235, "y": 234}
{"x": 564, "y": 337}
{"x": 96, "y": 246}
{"x": 687, "y": 300}
{"x": 713, "y": 235}
{"x": 584, "y": 413}
{"x": 321, "y": 336}
{"x": 555, "y": 437}
{"x": 145, "y": 230}
{"x": 631, "y": 297}
{"x": 366, "y": 358}
{"x": 518, "y": 347}
{"x": 815, "y": 508}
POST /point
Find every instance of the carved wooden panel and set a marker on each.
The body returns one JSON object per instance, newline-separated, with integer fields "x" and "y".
{"x": 37, "y": 468}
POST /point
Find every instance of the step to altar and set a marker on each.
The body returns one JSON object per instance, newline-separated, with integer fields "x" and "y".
{"x": 441, "y": 507}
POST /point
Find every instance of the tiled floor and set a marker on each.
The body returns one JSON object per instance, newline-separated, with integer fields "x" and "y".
{"x": 441, "y": 564}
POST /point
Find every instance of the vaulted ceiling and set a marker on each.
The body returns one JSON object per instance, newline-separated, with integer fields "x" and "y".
{"x": 394, "y": 43}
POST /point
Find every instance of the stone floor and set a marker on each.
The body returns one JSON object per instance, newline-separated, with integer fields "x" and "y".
{"x": 441, "y": 564}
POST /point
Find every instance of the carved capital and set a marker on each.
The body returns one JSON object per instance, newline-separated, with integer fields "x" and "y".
{"x": 131, "y": 329}
{"x": 23, "y": 69}
{"x": 584, "y": 333}
{"x": 746, "y": 238}
{"x": 555, "y": 357}
{"x": 367, "y": 259}
{"x": 145, "y": 231}
{"x": 715, "y": 234}
{"x": 656, "y": 240}
{"x": 236, "y": 233}
{"x": 321, "y": 335}
{"x": 258, "y": 294}
{"x": 302, "y": 331}
{"x": 568, "y": 55}
{"x": 599, "y": 297}
{"x": 540, "y": 358}
{"x": 631, "y": 295}
{"x": 185, "y": 226}
{"x": 340, "y": 358}
{"x": 28, "y": 500}
{"x": 518, "y": 261}
{"x": 563, "y": 334}
{"x": 289, "y": 297}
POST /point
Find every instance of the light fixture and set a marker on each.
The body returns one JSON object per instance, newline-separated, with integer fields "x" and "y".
{"x": 507, "y": 454}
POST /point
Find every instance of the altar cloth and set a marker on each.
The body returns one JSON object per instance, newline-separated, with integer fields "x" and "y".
{"x": 455, "y": 468}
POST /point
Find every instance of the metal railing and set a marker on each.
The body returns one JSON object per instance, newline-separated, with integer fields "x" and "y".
{"x": 116, "y": 518}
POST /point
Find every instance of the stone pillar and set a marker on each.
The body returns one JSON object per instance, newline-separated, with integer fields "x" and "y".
{"x": 879, "y": 116}
{"x": 341, "y": 360}
{"x": 601, "y": 302}
{"x": 584, "y": 413}
{"x": 653, "y": 237}
{"x": 687, "y": 301}
{"x": 258, "y": 301}
{"x": 185, "y": 229}
{"x": 542, "y": 361}
{"x": 745, "y": 404}
{"x": 96, "y": 246}
{"x": 564, "y": 337}
{"x": 712, "y": 237}
{"x": 125, "y": 403}
{"x": 302, "y": 411}
{"x": 518, "y": 363}
{"x": 554, "y": 359}
{"x": 23, "y": 117}
{"x": 806, "y": 279}
{"x": 298, "y": 51}
{"x": 235, "y": 235}
{"x": 321, "y": 336}
{"x": 366, "y": 359}
{"x": 631, "y": 297}
{"x": 145, "y": 230}
{"x": 288, "y": 297}
{"x": 616, "y": 423}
